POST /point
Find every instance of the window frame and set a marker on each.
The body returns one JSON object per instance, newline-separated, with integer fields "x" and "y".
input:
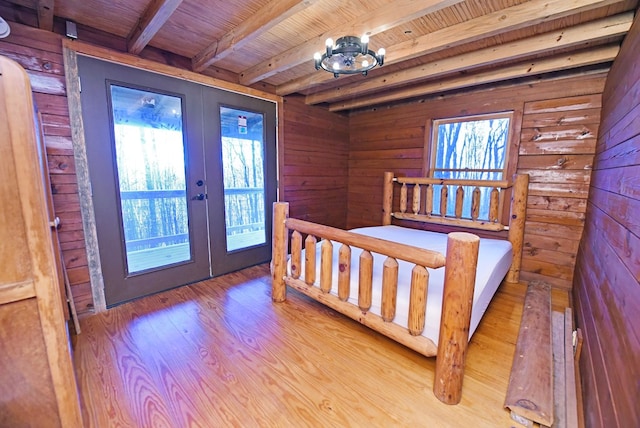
{"x": 511, "y": 149}
{"x": 432, "y": 143}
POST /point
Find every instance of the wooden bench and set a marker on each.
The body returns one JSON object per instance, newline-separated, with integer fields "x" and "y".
{"x": 542, "y": 384}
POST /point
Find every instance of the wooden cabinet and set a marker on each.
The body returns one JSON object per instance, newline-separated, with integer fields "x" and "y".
{"x": 37, "y": 380}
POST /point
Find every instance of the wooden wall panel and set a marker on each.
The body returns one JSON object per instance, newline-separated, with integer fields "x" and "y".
{"x": 557, "y": 122}
{"x": 561, "y": 154}
{"x": 314, "y": 163}
{"x": 606, "y": 287}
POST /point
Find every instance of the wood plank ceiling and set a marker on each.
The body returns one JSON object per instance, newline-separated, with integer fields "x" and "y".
{"x": 432, "y": 46}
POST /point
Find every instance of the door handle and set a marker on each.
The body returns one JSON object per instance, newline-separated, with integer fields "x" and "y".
{"x": 199, "y": 197}
{"x": 55, "y": 223}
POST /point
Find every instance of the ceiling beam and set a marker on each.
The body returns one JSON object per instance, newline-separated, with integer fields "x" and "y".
{"x": 582, "y": 34}
{"x": 157, "y": 13}
{"x": 513, "y": 18}
{"x": 259, "y": 23}
{"x": 376, "y": 21}
{"x": 584, "y": 58}
{"x": 45, "y": 14}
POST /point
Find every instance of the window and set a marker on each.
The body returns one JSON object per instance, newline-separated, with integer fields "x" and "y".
{"x": 469, "y": 148}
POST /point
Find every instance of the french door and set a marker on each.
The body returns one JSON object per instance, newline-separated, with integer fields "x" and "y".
{"x": 182, "y": 176}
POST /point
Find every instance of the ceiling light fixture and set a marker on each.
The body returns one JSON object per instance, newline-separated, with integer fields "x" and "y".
{"x": 350, "y": 55}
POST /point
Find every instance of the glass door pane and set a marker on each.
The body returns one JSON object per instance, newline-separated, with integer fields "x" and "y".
{"x": 243, "y": 175}
{"x": 149, "y": 146}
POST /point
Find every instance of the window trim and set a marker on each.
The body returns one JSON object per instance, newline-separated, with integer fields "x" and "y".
{"x": 509, "y": 163}
{"x": 512, "y": 150}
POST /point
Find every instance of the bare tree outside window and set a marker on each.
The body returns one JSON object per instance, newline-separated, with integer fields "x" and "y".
{"x": 150, "y": 159}
{"x": 469, "y": 148}
{"x": 151, "y": 174}
{"x": 243, "y": 169}
{"x": 244, "y": 186}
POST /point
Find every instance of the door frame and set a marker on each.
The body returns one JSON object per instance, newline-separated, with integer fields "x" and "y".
{"x": 98, "y": 101}
{"x": 71, "y": 49}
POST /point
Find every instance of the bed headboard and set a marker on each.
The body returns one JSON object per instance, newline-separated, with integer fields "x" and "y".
{"x": 416, "y": 203}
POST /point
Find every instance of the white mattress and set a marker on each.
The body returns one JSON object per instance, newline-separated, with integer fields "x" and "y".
{"x": 494, "y": 259}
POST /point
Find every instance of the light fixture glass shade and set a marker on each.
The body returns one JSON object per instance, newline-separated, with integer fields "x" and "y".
{"x": 350, "y": 55}
{"x": 5, "y": 30}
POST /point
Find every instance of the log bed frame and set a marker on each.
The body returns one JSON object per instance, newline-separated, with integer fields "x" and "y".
{"x": 459, "y": 263}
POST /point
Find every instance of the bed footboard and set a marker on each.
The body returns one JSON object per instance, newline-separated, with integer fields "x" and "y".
{"x": 459, "y": 279}
{"x": 460, "y": 263}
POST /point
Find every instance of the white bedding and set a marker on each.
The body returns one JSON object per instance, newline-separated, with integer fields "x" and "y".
{"x": 494, "y": 259}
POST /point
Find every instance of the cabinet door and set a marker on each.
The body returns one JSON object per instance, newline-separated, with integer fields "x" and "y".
{"x": 33, "y": 332}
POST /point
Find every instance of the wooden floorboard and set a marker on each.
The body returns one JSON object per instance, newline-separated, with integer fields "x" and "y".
{"x": 220, "y": 353}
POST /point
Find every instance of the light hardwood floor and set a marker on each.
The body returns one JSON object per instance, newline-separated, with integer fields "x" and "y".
{"x": 219, "y": 353}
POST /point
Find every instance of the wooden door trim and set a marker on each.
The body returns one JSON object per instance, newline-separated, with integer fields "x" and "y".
{"x": 84, "y": 184}
{"x": 105, "y": 54}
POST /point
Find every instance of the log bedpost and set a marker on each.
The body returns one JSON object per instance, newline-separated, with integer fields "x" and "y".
{"x": 459, "y": 201}
{"x": 403, "y": 198}
{"x": 326, "y": 265}
{"x": 457, "y": 299}
{"x": 310, "y": 259}
{"x": 516, "y": 223}
{"x": 344, "y": 272}
{"x": 475, "y": 204}
{"x": 296, "y": 254}
{"x": 444, "y": 199}
{"x": 389, "y": 289}
{"x": 365, "y": 281}
{"x": 415, "y": 206}
{"x": 418, "y": 300}
{"x": 494, "y": 205}
{"x": 428, "y": 205}
{"x": 387, "y": 198}
{"x": 279, "y": 252}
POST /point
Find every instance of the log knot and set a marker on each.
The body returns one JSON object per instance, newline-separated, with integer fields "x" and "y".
{"x": 527, "y": 404}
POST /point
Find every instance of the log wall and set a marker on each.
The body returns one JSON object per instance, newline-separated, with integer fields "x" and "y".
{"x": 556, "y": 123}
{"x": 607, "y": 281}
{"x": 314, "y": 165}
